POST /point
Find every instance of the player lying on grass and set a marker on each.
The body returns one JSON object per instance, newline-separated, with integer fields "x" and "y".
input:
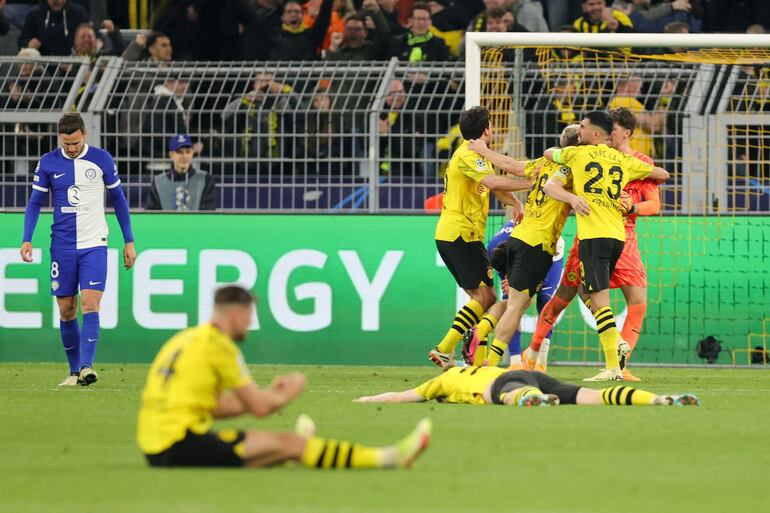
{"x": 493, "y": 385}
{"x": 200, "y": 375}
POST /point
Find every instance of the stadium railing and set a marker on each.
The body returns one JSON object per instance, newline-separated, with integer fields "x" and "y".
{"x": 370, "y": 136}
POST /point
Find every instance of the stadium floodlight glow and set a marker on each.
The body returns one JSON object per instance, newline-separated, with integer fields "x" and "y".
{"x": 476, "y": 41}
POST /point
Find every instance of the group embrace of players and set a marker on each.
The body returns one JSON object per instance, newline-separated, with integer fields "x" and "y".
{"x": 199, "y": 374}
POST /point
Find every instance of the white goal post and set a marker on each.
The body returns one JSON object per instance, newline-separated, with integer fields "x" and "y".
{"x": 476, "y": 41}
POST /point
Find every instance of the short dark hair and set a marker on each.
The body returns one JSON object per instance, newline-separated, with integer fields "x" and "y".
{"x": 473, "y": 122}
{"x": 419, "y": 6}
{"x": 233, "y": 295}
{"x": 600, "y": 119}
{"x": 496, "y": 13}
{"x": 624, "y": 117}
{"x": 70, "y": 123}
{"x": 152, "y": 38}
{"x": 86, "y": 25}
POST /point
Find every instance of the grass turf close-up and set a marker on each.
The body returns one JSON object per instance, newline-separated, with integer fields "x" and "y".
{"x": 74, "y": 450}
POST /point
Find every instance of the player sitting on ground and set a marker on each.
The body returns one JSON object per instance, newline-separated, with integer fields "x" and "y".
{"x": 493, "y": 385}
{"x": 639, "y": 198}
{"x": 200, "y": 375}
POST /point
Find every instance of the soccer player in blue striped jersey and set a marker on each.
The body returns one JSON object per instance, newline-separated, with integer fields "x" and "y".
{"x": 76, "y": 175}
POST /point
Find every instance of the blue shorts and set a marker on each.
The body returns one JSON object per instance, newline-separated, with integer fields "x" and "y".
{"x": 70, "y": 268}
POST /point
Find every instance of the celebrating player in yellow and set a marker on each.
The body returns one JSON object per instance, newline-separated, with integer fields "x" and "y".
{"x": 493, "y": 385}
{"x": 530, "y": 250}
{"x": 200, "y": 375}
{"x": 598, "y": 174}
{"x": 462, "y": 226}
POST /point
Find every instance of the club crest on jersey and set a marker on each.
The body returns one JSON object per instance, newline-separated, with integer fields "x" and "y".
{"x": 481, "y": 188}
{"x": 73, "y": 195}
{"x": 54, "y": 285}
{"x": 572, "y": 275}
{"x": 91, "y": 173}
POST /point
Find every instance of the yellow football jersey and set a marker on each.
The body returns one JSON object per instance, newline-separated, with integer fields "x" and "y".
{"x": 544, "y": 217}
{"x": 466, "y": 201}
{"x": 183, "y": 385}
{"x": 460, "y": 385}
{"x": 599, "y": 174}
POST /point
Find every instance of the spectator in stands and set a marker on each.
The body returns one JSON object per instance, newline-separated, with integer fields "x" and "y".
{"x": 169, "y": 112}
{"x": 50, "y": 27}
{"x": 529, "y": 14}
{"x": 649, "y": 17}
{"x": 16, "y": 11}
{"x": 154, "y": 47}
{"x": 447, "y": 15}
{"x": 258, "y": 32}
{"x": 87, "y": 44}
{"x": 258, "y": 120}
{"x": 597, "y": 17}
{"x": 479, "y": 22}
{"x": 355, "y": 44}
{"x": 419, "y": 44}
{"x": 341, "y": 10}
{"x": 735, "y": 16}
{"x": 322, "y": 133}
{"x": 183, "y": 187}
{"x": 390, "y": 12}
{"x": 137, "y": 14}
{"x": 649, "y": 123}
{"x": 295, "y": 41}
{"x": 400, "y": 144}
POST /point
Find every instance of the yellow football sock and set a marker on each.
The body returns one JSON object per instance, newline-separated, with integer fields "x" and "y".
{"x": 608, "y": 336}
{"x": 622, "y": 395}
{"x": 496, "y": 351}
{"x": 517, "y": 394}
{"x": 332, "y": 454}
{"x": 485, "y": 325}
{"x": 466, "y": 318}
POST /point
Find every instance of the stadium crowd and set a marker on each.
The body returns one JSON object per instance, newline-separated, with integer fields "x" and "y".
{"x": 340, "y": 29}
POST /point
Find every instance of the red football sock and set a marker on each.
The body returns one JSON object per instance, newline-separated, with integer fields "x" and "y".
{"x": 546, "y": 320}
{"x": 632, "y": 328}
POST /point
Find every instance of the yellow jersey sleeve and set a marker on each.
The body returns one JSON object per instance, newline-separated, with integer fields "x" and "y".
{"x": 230, "y": 367}
{"x": 565, "y": 155}
{"x": 564, "y": 175}
{"x": 533, "y": 166}
{"x": 474, "y": 166}
{"x": 636, "y": 169}
{"x": 432, "y": 389}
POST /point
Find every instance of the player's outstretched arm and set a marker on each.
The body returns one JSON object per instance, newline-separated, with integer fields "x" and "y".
{"x": 549, "y": 153}
{"x": 504, "y": 162}
{"x": 505, "y": 183}
{"x": 408, "y": 396}
{"x": 556, "y": 190}
{"x": 659, "y": 174}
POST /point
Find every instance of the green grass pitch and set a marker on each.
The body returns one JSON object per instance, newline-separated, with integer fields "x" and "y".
{"x": 73, "y": 450}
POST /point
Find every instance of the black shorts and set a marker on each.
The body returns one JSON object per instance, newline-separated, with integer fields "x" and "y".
{"x": 597, "y": 262}
{"x": 212, "y": 449}
{"x": 566, "y": 392}
{"x": 467, "y": 261}
{"x": 527, "y": 266}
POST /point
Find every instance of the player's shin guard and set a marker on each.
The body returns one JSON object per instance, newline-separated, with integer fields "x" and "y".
{"x": 70, "y": 337}
{"x": 89, "y": 339}
{"x": 546, "y": 320}
{"x": 333, "y": 454}
{"x": 466, "y": 318}
{"x": 496, "y": 351}
{"x": 627, "y": 396}
{"x": 633, "y": 325}
{"x": 608, "y": 336}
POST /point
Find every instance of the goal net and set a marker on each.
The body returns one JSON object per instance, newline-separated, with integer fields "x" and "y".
{"x": 702, "y": 113}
